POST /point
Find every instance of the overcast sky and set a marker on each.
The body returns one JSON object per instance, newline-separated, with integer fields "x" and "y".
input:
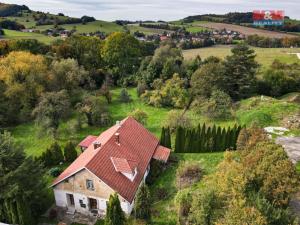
{"x": 156, "y": 9}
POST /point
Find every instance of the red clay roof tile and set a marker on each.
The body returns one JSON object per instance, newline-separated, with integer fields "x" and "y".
{"x": 162, "y": 153}
{"x": 87, "y": 141}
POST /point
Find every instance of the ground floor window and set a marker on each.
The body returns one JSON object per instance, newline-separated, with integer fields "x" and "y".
{"x": 70, "y": 199}
{"x": 93, "y": 203}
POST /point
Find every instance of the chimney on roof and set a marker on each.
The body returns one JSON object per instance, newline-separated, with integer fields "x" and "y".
{"x": 96, "y": 144}
{"x": 117, "y": 138}
{"x": 118, "y": 123}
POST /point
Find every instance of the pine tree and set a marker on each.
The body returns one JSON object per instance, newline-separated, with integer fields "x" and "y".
{"x": 168, "y": 143}
{"x": 24, "y": 212}
{"x": 195, "y": 140}
{"x": 188, "y": 141}
{"x": 114, "y": 212}
{"x": 208, "y": 146}
{"x": 203, "y": 138}
{"x": 198, "y": 139}
{"x": 223, "y": 140}
{"x": 142, "y": 203}
{"x": 23, "y": 194}
{"x": 70, "y": 152}
{"x": 56, "y": 154}
{"x": 213, "y": 138}
{"x": 228, "y": 138}
{"x": 163, "y": 137}
{"x": 219, "y": 139}
{"x": 179, "y": 142}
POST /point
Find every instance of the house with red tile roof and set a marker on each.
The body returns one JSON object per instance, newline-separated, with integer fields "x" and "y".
{"x": 118, "y": 160}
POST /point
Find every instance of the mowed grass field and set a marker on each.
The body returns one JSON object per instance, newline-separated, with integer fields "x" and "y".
{"x": 12, "y": 34}
{"x": 103, "y": 26}
{"x": 148, "y": 31}
{"x": 264, "y": 56}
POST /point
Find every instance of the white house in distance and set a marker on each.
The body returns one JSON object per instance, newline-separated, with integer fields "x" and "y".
{"x": 116, "y": 161}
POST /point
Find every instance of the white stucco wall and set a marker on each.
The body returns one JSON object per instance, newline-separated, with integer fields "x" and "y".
{"x": 62, "y": 201}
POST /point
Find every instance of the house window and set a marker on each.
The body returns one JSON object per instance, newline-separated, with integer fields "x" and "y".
{"x": 89, "y": 185}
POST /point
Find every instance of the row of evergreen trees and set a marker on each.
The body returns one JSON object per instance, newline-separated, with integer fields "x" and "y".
{"x": 165, "y": 138}
{"x": 201, "y": 138}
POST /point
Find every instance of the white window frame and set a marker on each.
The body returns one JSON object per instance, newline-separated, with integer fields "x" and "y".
{"x": 90, "y": 185}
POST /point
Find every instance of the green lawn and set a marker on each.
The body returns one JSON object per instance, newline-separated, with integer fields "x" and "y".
{"x": 265, "y": 56}
{"x": 12, "y": 34}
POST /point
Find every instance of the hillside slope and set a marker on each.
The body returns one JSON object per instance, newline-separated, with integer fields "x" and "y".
{"x": 11, "y": 9}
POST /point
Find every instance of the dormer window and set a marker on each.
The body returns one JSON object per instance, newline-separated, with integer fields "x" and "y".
{"x": 127, "y": 167}
{"x": 90, "y": 185}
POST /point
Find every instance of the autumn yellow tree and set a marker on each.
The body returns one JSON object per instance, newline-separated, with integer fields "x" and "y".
{"x": 24, "y": 75}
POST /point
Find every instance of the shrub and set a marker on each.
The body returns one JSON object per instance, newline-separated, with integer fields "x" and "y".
{"x": 203, "y": 207}
{"x": 55, "y": 171}
{"x": 218, "y": 105}
{"x": 171, "y": 93}
{"x": 52, "y": 156}
{"x": 52, "y": 214}
{"x": 188, "y": 173}
{"x": 139, "y": 115}
{"x": 70, "y": 152}
{"x": 141, "y": 88}
{"x": 99, "y": 222}
{"x": 124, "y": 96}
{"x": 161, "y": 193}
{"x": 143, "y": 203}
{"x": 183, "y": 201}
{"x": 156, "y": 169}
{"x": 177, "y": 119}
{"x": 114, "y": 212}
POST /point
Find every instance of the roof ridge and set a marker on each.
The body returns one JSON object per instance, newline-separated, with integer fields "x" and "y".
{"x": 112, "y": 135}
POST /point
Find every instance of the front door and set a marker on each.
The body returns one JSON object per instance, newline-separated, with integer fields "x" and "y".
{"x": 70, "y": 199}
{"x": 93, "y": 203}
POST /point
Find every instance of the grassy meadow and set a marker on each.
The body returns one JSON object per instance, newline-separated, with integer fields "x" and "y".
{"x": 265, "y": 56}
{"x": 148, "y": 31}
{"x": 12, "y": 34}
{"x": 103, "y": 26}
{"x": 267, "y": 111}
